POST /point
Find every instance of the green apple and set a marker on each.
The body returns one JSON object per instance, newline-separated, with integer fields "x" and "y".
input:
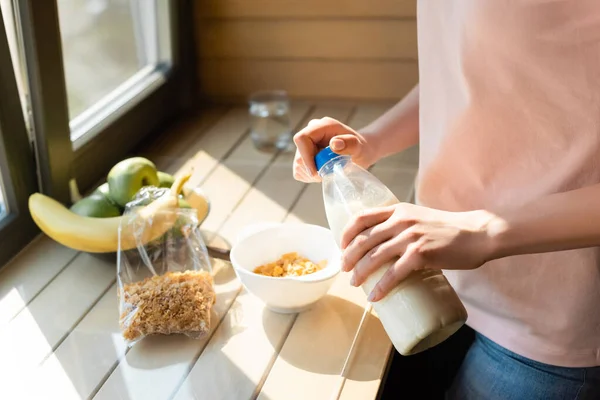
{"x": 165, "y": 180}
{"x": 96, "y": 205}
{"x": 129, "y": 176}
{"x": 103, "y": 190}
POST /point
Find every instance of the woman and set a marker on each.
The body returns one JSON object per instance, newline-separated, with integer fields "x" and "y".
{"x": 507, "y": 116}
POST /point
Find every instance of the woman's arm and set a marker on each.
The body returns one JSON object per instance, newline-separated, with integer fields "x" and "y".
{"x": 415, "y": 237}
{"x": 561, "y": 221}
{"x": 394, "y": 131}
{"x": 398, "y": 128}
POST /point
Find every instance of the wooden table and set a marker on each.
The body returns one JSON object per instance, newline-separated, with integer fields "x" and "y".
{"x": 59, "y": 333}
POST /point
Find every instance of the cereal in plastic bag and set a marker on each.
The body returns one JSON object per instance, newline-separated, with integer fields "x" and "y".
{"x": 165, "y": 283}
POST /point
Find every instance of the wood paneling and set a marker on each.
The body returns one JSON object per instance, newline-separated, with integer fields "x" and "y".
{"x": 304, "y": 79}
{"x": 339, "y": 39}
{"x": 337, "y": 49}
{"x": 305, "y": 8}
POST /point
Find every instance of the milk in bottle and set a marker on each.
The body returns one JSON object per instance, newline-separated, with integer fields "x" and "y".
{"x": 423, "y": 310}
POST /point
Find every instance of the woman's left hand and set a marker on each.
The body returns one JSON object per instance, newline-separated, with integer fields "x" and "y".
{"x": 413, "y": 237}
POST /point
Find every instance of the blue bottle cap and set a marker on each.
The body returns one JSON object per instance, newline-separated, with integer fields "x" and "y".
{"x": 323, "y": 156}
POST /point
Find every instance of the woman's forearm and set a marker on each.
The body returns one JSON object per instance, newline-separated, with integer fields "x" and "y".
{"x": 398, "y": 128}
{"x": 561, "y": 221}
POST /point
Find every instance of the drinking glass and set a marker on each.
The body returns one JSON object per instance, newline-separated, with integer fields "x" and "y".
{"x": 270, "y": 128}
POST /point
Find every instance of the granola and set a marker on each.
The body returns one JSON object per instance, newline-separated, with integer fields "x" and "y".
{"x": 176, "y": 302}
{"x": 290, "y": 264}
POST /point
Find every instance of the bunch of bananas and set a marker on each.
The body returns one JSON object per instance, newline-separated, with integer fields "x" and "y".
{"x": 92, "y": 223}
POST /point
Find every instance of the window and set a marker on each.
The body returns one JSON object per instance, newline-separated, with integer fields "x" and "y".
{"x": 17, "y": 170}
{"x": 99, "y": 49}
{"x": 113, "y": 53}
{"x": 92, "y": 79}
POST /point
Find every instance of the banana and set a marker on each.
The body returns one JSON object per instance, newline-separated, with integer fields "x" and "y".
{"x": 196, "y": 199}
{"x": 101, "y": 235}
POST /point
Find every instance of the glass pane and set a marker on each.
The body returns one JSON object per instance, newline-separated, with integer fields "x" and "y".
{"x": 105, "y": 43}
{"x": 3, "y": 207}
{"x": 17, "y": 167}
{"x": 15, "y": 46}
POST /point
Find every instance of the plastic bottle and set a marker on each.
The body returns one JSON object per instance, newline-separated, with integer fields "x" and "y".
{"x": 423, "y": 310}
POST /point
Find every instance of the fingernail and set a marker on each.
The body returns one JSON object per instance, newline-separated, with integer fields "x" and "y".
{"x": 371, "y": 296}
{"x": 353, "y": 280}
{"x": 337, "y": 144}
{"x": 342, "y": 264}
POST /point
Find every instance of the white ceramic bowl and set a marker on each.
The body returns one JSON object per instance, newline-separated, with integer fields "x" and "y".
{"x": 267, "y": 243}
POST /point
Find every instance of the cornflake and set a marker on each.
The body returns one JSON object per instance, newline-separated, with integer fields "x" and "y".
{"x": 176, "y": 302}
{"x": 290, "y": 264}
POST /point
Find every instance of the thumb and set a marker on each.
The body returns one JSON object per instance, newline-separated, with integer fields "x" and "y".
{"x": 348, "y": 145}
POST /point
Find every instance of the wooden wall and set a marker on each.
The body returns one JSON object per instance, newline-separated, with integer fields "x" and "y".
{"x": 334, "y": 49}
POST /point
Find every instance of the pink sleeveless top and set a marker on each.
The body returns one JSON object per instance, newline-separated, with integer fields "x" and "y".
{"x": 510, "y": 112}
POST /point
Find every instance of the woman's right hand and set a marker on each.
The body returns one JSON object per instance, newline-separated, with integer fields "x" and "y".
{"x": 343, "y": 140}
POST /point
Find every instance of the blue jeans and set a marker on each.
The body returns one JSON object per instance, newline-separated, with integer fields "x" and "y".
{"x": 491, "y": 372}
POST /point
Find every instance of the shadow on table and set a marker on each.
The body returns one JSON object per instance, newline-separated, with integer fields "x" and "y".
{"x": 321, "y": 345}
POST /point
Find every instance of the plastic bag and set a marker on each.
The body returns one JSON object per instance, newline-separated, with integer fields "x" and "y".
{"x": 165, "y": 285}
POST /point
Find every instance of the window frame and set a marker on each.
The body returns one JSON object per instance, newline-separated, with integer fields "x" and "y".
{"x": 46, "y": 160}
{"x": 17, "y": 166}
{"x": 89, "y": 157}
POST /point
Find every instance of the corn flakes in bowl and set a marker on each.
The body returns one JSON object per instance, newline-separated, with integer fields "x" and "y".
{"x": 288, "y": 266}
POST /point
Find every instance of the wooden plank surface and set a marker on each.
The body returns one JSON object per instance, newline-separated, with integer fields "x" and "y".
{"x": 59, "y": 286}
{"x": 171, "y": 358}
{"x": 246, "y": 344}
{"x": 364, "y": 373}
{"x": 304, "y": 8}
{"x": 174, "y": 147}
{"x": 110, "y": 347}
{"x": 311, "y": 360}
{"x": 81, "y": 362}
{"x": 369, "y": 112}
{"x": 359, "y": 80}
{"x": 28, "y": 273}
{"x": 60, "y": 326}
{"x": 322, "y": 39}
{"x": 237, "y": 173}
{"x": 37, "y": 330}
